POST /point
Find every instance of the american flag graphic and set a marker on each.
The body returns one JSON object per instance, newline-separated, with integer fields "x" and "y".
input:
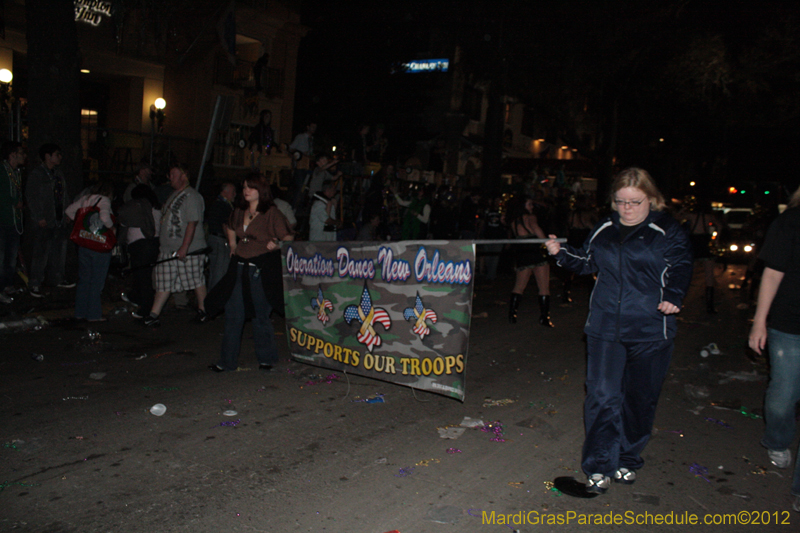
{"x": 420, "y": 316}
{"x": 323, "y": 306}
{"x": 368, "y": 316}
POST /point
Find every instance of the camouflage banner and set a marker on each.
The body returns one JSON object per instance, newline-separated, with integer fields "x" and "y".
{"x": 398, "y": 312}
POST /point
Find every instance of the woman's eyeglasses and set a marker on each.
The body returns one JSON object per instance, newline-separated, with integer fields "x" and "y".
{"x": 628, "y": 203}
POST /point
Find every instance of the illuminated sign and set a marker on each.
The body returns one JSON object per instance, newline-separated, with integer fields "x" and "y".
{"x": 92, "y": 11}
{"x": 427, "y": 65}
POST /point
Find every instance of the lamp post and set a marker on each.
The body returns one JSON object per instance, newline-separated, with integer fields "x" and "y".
{"x": 156, "y": 122}
{"x": 7, "y": 101}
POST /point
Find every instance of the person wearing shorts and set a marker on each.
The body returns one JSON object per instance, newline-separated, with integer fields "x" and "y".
{"x": 179, "y": 237}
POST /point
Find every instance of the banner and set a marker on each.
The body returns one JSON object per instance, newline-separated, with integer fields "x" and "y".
{"x": 398, "y": 312}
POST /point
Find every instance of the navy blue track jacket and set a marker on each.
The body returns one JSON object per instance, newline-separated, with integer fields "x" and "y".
{"x": 652, "y": 264}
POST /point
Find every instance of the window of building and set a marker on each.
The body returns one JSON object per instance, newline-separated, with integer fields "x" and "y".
{"x": 88, "y": 129}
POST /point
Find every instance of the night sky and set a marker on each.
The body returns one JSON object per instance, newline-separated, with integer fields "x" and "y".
{"x": 718, "y": 80}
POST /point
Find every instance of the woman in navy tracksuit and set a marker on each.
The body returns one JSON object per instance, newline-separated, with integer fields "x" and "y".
{"x": 643, "y": 262}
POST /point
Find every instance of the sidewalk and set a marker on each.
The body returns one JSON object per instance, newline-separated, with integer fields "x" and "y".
{"x": 303, "y": 454}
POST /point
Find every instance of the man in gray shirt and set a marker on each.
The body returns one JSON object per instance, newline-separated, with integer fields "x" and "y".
{"x": 179, "y": 237}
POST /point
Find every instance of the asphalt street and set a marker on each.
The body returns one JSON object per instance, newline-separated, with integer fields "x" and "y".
{"x": 305, "y": 451}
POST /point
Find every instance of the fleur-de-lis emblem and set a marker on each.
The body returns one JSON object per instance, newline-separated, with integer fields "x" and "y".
{"x": 420, "y": 315}
{"x": 322, "y": 306}
{"x": 368, "y": 316}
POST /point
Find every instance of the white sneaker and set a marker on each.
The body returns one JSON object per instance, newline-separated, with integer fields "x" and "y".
{"x": 128, "y": 300}
{"x": 598, "y": 483}
{"x": 35, "y": 292}
{"x": 780, "y": 458}
{"x": 625, "y": 475}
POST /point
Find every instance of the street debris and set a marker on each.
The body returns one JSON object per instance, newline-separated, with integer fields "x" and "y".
{"x": 451, "y": 432}
{"x": 5, "y": 484}
{"x": 229, "y": 423}
{"x": 730, "y": 375}
{"x": 318, "y": 380}
{"x": 699, "y": 471}
{"x": 711, "y": 349}
{"x": 744, "y": 411}
{"x": 376, "y": 398}
{"x": 718, "y": 422}
{"x": 468, "y": 422}
{"x": 405, "y": 472}
{"x": 488, "y": 402}
{"x": 25, "y": 323}
{"x": 97, "y": 375}
{"x": 697, "y": 392}
{"x": 158, "y": 409}
{"x": 550, "y": 487}
{"x": 496, "y": 429}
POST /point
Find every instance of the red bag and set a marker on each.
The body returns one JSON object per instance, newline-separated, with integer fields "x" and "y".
{"x": 90, "y": 232}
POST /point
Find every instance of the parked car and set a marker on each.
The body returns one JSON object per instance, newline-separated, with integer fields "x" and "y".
{"x": 736, "y": 242}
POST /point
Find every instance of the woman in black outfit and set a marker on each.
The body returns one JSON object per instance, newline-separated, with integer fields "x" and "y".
{"x": 530, "y": 259}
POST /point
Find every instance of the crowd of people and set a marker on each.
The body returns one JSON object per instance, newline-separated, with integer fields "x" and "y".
{"x": 156, "y": 224}
{"x": 639, "y": 255}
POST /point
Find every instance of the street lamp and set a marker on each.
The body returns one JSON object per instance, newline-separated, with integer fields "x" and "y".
{"x": 156, "y": 122}
{"x": 157, "y": 113}
{"x": 5, "y": 88}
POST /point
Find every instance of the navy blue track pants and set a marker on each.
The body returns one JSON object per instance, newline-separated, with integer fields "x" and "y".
{"x": 623, "y": 383}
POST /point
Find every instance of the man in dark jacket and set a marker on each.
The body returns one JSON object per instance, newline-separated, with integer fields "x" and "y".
{"x": 47, "y": 197}
{"x": 13, "y": 156}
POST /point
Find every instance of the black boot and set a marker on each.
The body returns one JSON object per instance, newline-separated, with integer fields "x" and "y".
{"x": 513, "y": 304}
{"x": 710, "y": 301}
{"x": 544, "y": 308}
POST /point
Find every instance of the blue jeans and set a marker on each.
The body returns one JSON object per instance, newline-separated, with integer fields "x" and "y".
{"x": 92, "y": 272}
{"x": 623, "y": 383}
{"x": 49, "y": 254}
{"x": 9, "y": 247}
{"x": 783, "y": 394}
{"x": 263, "y": 333}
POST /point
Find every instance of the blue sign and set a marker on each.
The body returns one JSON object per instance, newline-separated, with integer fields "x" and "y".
{"x": 427, "y": 65}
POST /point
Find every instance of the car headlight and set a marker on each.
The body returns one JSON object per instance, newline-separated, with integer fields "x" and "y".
{"x": 734, "y": 247}
{"x": 748, "y": 248}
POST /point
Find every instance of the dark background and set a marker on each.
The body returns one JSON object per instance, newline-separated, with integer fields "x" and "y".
{"x": 717, "y": 80}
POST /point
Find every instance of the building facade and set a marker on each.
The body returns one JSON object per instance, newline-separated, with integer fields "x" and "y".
{"x": 186, "y": 53}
